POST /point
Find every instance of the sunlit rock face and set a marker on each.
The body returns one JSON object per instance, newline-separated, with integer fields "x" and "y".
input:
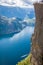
{"x": 37, "y": 37}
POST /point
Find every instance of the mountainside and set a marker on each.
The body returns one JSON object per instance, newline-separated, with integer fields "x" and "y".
{"x": 14, "y": 25}
{"x": 10, "y": 25}
{"x": 26, "y": 61}
{"x": 16, "y": 12}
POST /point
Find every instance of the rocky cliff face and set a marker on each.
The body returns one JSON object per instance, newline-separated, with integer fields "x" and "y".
{"x": 37, "y": 37}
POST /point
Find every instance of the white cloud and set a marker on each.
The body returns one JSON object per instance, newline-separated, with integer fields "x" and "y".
{"x": 32, "y": 1}
{"x": 17, "y": 3}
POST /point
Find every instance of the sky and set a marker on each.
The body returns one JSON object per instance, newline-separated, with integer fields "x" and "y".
{"x": 19, "y": 3}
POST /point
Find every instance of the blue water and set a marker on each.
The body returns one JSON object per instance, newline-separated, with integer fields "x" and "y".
{"x": 13, "y": 48}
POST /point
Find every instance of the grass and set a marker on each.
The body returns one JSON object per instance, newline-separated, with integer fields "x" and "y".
{"x": 26, "y": 61}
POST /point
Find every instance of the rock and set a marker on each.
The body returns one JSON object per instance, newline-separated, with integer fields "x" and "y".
{"x": 37, "y": 37}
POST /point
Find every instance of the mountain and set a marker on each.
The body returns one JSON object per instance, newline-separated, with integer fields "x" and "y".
{"x": 16, "y": 12}
{"x": 25, "y": 61}
{"x": 10, "y": 25}
{"x": 29, "y": 21}
{"x": 14, "y": 25}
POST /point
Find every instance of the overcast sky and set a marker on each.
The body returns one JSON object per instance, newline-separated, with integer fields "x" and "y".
{"x": 19, "y": 3}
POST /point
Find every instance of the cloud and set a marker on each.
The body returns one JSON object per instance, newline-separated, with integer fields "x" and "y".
{"x": 33, "y": 1}
{"x": 16, "y": 3}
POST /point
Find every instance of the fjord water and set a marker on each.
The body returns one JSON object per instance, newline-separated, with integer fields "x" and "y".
{"x": 15, "y": 48}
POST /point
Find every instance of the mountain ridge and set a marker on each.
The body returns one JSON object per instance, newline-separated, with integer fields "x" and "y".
{"x": 16, "y": 12}
{"x": 13, "y": 25}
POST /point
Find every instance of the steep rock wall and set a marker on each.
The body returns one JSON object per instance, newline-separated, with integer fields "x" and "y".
{"x": 37, "y": 37}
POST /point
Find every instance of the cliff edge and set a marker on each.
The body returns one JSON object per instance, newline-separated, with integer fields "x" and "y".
{"x": 37, "y": 37}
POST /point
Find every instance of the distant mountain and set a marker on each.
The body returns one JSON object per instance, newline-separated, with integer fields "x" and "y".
{"x": 10, "y": 25}
{"x": 16, "y": 12}
{"x": 29, "y": 21}
{"x": 14, "y": 25}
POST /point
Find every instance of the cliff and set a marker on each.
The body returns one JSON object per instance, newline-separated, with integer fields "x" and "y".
{"x": 37, "y": 37}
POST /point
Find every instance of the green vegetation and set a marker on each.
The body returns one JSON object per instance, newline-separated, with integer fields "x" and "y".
{"x": 26, "y": 61}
